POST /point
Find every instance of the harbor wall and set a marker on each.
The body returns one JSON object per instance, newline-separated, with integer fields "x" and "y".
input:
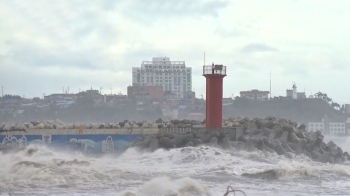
{"x": 128, "y": 131}
{"x": 90, "y": 141}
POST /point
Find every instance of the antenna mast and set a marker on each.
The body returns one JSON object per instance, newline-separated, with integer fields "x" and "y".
{"x": 270, "y": 84}
{"x": 204, "y": 58}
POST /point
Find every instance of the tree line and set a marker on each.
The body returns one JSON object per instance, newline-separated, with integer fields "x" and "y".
{"x": 335, "y": 105}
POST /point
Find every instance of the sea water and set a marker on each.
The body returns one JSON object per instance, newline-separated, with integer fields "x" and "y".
{"x": 199, "y": 171}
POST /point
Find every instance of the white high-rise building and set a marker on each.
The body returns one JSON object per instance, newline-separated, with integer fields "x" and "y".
{"x": 174, "y": 76}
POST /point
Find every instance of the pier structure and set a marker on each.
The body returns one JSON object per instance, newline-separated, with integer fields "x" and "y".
{"x": 214, "y": 75}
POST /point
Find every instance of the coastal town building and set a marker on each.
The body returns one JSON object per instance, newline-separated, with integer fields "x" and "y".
{"x": 337, "y": 128}
{"x": 316, "y": 126}
{"x": 255, "y": 95}
{"x": 329, "y": 127}
{"x": 227, "y": 101}
{"x": 145, "y": 92}
{"x": 114, "y": 100}
{"x": 173, "y": 76}
{"x": 60, "y": 96}
{"x": 347, "y": 126}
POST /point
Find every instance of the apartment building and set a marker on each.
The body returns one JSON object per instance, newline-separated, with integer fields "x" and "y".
{"x": 173, "y": 76}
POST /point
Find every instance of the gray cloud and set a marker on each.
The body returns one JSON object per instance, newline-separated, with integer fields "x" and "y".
{"x": 30, "y": 54}
{"x": 256, "y": 47}
{"x": 80, "y": 43}
{"x": 152, "y": 10}
{"x": 225, "y": 33}
{"x": 241, "y": 65}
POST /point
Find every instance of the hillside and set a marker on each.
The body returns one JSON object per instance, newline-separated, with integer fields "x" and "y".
{"x": 303, "y": 110}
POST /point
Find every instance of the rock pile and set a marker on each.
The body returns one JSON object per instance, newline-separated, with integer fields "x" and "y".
{"x": 271, "y": 134}
{"x": 58, "y": 124}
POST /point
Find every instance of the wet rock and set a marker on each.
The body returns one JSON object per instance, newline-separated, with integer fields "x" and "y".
{"x": 244, "y": 138}
{"x": 288, "y": 128}
{"x": 302, "y": 127}
{"x": 213, "y": 141}
{"x": 205, "y": 138}
{"x": 253, "y": 131}
{"x": 249, "y": 146}
{"x": 280, "y": 150}
{"x": 286, "y": 147}
{"x": 166, "y": 143}
{"x": 293, "y": 138}
{"x": 260, "y": 144}
{"x": 226, "y": 143}
{"x": 260, "y": 123}
{"x": 284, "y": 136}
{"x": 190, "y": 144}
{"x": 315, "y": 155}
{"x": 239, "y": 133}
{"x": 346, "y": 154}
{"x": 266, "y": 132}
{"x": 159, "y": 120}
{"x": 153, "y": 145}
{"x": 238, "y": 145}
{"x": 276, "y": 132}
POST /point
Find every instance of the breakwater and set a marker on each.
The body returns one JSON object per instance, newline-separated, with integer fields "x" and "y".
{"x": 274, "y": 135}
{"x": 125, "y": 125}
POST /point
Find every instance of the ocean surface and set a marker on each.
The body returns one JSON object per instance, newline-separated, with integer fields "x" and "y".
{"x": 199, "y": 171}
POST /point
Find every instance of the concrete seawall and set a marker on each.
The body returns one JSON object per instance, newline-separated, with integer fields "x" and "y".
{"x": 84, "y": 132}
{"x": 96, "y": 131}
{"x": 140, "y": 131}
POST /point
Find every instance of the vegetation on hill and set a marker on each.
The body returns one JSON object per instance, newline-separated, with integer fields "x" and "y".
{"x": 85, "y": 110}
{"x": 302, "y": 110}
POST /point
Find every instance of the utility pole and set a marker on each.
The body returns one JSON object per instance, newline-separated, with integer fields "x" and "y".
{"x": 270, "y": 83}
{"x": 204, "y": 59}
{"x": 101, "y": 90}
{"x": 68, "y": 89}
{"x": 2, "y": 91}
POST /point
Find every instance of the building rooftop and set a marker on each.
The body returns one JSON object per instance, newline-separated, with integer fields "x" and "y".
{"x": 254, "y": 91}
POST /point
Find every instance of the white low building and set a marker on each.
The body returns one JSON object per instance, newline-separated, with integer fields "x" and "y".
{"x": 337, "y": 128}
{"x": 316, "y": 126}
{"x": 331, "y": 128}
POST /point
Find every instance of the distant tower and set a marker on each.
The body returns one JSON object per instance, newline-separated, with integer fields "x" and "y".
{"x": 295, "y": 94}
{"x": 214, "y": 75}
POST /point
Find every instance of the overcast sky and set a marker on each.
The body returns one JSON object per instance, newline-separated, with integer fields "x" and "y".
{"x": 48, "y": 45}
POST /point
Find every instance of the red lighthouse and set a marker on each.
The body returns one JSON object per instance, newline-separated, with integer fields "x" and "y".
{"x": 214, "y": 75}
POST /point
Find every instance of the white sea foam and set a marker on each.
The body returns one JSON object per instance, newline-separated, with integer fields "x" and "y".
{"x": 38, "y": 170}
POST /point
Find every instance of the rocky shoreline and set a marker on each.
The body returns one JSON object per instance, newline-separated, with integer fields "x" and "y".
{"x": 271, "y": 134}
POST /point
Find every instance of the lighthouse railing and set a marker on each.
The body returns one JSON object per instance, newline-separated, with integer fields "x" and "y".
{"x": 216, "y": 70}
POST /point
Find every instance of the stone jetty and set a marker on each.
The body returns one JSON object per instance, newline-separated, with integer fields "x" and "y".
{"x": 58, "y": 124}
{"x": 271, "y": 134}
{"x": 275, "y": 135}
